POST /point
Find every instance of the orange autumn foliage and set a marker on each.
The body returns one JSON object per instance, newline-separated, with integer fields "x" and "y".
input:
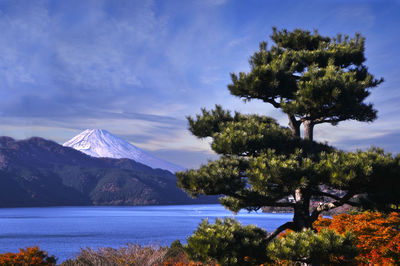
{"x": 28, "y": 256}
{"x": 377, "y": 235}
{"x": 181, "y": 260}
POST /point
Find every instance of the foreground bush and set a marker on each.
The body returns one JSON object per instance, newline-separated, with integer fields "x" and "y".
{"x": 134, "y": 255}
{"x": 377, "y": 235}
{"x": 323, "y": 248}
{"x": 28, "y": 256}
{"x": 176, "y": 255}
{"x": 130, "y": 255}
{"x": 228, "y": 243}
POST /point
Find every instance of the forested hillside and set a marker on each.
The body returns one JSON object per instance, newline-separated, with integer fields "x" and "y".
{"x": 39, "y": 172}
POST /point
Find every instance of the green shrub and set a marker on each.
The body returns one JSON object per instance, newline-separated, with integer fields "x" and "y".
{"x": 324, "y": 248}
{"x": 228, "y": 243}
{"x": 175, "y": 250}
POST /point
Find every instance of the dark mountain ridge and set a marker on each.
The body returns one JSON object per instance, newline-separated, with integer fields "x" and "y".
{"x": 39, "y": 172}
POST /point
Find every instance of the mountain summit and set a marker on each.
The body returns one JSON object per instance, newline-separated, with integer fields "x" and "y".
{"x": 101, "y": 143}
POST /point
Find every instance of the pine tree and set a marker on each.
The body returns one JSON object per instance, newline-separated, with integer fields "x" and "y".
{"x": 311, "y": 78}
{"x": 314, "y": 80}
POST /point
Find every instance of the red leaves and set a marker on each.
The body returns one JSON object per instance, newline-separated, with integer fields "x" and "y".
{"x": 377, "y": 235}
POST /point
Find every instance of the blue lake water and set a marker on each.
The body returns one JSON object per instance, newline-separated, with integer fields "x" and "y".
{"x": 62, "y": 231}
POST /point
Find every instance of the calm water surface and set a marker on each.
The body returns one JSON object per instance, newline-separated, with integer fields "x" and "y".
{"x": 63, "y": 230}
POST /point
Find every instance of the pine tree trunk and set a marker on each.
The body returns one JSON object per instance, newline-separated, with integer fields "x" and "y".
{"x": 308, "y": 130}
{"x": 300, "y": 218}
{"x": 301, "y": 211}
{"x": 294, "y": 126}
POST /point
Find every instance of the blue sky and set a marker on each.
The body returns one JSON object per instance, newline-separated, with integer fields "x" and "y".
{"x": 138, "y": 68}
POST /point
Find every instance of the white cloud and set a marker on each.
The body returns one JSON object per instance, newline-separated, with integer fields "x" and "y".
{"x": 119, "y": 63}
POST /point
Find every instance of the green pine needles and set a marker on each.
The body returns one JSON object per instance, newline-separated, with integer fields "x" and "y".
{"x": 308, "y": 247}
{"x": 313, "y": 79}
{"x": 228, "y": 242}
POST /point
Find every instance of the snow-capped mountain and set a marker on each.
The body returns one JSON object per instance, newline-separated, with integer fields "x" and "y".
{"x": 101, "y": 143}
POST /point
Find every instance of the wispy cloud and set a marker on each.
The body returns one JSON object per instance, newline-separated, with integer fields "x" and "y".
{"x": 138, "y": 68}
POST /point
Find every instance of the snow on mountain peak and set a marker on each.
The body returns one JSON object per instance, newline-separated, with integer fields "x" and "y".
{"x": 101, "y": 143}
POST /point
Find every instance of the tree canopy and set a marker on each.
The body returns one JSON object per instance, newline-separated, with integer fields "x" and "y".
{"x": 313, "y": 79}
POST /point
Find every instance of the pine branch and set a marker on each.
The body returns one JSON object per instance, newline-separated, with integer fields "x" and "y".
{"x": 340, "y": 201}
{"x": 283, "y": 227}
{"x": 254, "y": 199}
{"x": 331, "y": 120}
{"x": 326, "y": 194}
{"x": 273, "y": 102}
{"x": 294, "y": 125}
